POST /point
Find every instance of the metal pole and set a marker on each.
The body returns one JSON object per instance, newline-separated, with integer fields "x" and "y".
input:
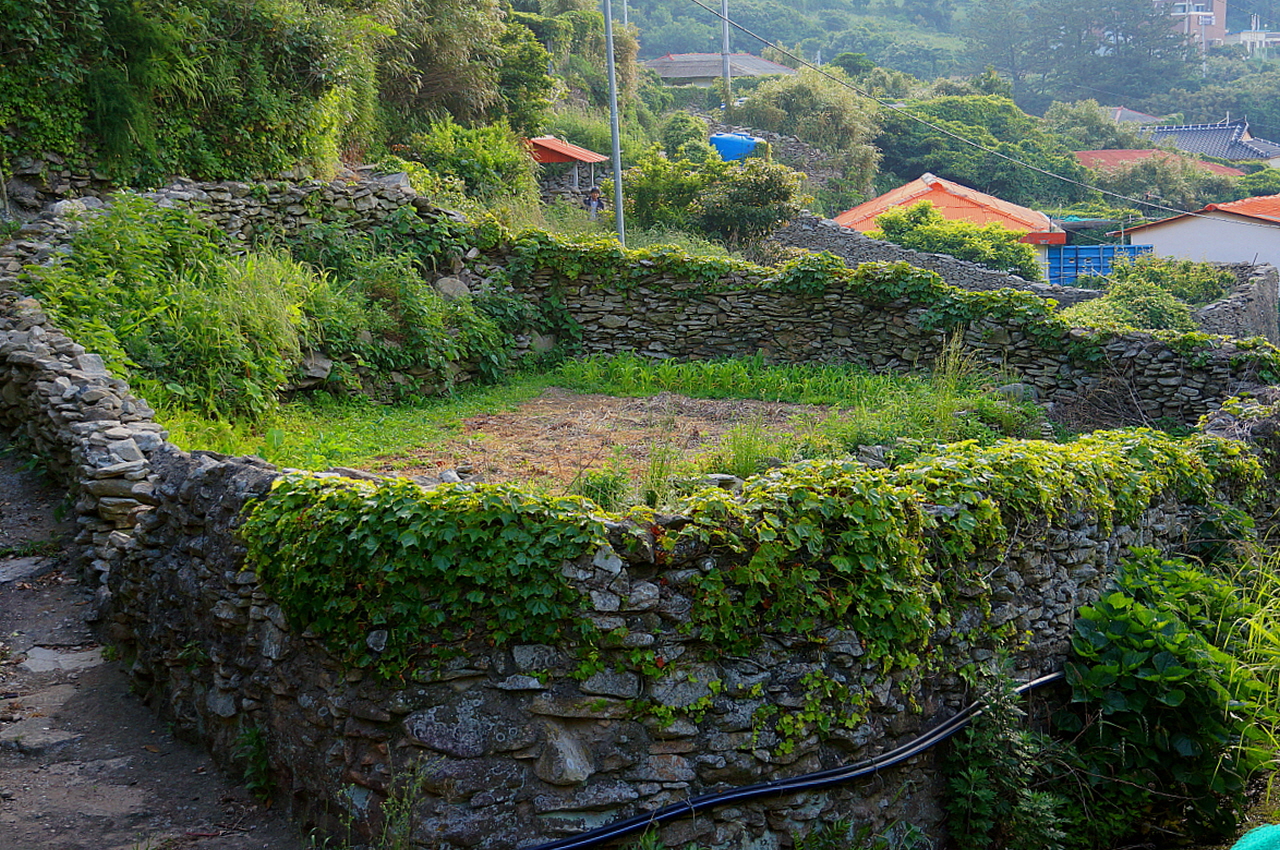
{"x": 625, "y": 20}
{"x": 724, "y": 48}
{"x": 613, "y": 125}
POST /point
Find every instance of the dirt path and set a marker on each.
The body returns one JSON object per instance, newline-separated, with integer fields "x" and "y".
{"x": 84, "y": 765}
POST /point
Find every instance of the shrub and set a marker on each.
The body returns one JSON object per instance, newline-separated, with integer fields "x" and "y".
{"x": 680, "y": 129}
{"x": 1133, "y": 304}
{"x": 736, "y": 202}
{"x": 922, "y": 228}
{"x": 1190, "y": 281}
{"x": 152, "y": 291}
{"x": 491, "y": 162}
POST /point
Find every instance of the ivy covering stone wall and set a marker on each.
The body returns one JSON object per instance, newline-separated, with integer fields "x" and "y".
{"x": 818, "y": 618}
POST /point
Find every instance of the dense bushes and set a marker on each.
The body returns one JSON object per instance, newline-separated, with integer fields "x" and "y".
{"x": 733, "y": 201}
{"x": 1152, "y": 293}
{"x": 922, "y": 228}
{"x": 156, "y": 293}
{"x": 1171, "y": 713}
{"x": 210, "y": 88}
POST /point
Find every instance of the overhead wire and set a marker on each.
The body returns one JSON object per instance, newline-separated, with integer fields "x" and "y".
{"x": 964, "y": 140}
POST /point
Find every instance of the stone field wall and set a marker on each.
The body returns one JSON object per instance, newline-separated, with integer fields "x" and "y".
{"x": 513, "y": 748}
{"x": 1135, "y": 376}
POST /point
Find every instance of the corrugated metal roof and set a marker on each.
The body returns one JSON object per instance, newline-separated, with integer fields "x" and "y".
{"x": 573, "y": 152}
{"x": 955, "y": 201}
{"x": 687, "y": 66}
{"x": 1225, "y": 140}
{"x": 1106, "y": 160}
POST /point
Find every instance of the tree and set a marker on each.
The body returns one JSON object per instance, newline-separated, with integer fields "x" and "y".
{"x": 823, "y": 113}
{"x": 522, "y": 80}
{"x": 1086, "y": 127}
{"x": 1170, "y": 180}
{"x": 749, "y": 201}
{"x": 1010, "y": 136}
{"x": 998, "y": 32}
{"x": 441, "y": 59}
{"x": 1124, "y": 47}
{"x": 922, "y": 228}
{"x": 682, "y": 129}
{"x": 733, "y": 201}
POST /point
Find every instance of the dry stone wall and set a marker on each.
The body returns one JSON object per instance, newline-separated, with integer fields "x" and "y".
{"x": 1136, "y": 376}
{"x": 818, "y": 234}
{"x": 1251, "y": 308}
{"x": 514, "y": 747}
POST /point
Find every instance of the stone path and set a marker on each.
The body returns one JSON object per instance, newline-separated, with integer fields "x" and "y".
{"x": 84, "y": 765}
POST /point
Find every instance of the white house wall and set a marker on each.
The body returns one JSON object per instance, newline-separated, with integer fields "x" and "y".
{"x": 1214, "y": 237}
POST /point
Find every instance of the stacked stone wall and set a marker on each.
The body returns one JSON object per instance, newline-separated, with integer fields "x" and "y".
{"x": 1143, "y": 378}
{"x": 1252, "y": 308}
{"x": 514, "y": 747}
{"x": 818, "y": 234}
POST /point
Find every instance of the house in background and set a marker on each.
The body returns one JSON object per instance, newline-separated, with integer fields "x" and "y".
{"x": 956, "y": 202}
{"x": 1246, "y": 231}
{"x": 1203, "y": 22}
{"x": 1229, "y": 140}
{"x": 1125, "y": 115}
{"x": 703, "y": 69}
{"x": 1114, "y": 159}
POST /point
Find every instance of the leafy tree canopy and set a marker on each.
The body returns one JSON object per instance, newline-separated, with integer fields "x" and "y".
{"x": 911, "y": 147}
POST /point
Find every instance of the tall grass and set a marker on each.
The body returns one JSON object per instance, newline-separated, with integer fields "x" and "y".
{"x": 954, "y": 402}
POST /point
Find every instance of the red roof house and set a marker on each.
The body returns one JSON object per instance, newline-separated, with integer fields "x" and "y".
{"x": 1112, "y": 160}
{"x": 1244, "y": 231}
{"x": 956, "y": 202}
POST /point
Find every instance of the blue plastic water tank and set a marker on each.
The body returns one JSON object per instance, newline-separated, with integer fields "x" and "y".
{"x": 732, "y": 146}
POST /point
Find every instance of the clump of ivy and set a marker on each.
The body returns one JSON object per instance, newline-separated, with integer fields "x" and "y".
{"x": 876, "y": 550}
{"x": 1167, "y": 722}
{"x": 350, "y": 560}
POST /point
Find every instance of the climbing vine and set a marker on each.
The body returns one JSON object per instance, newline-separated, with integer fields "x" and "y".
{"x": 386, "y": 572}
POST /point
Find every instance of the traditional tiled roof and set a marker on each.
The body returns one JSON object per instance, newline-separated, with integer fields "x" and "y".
{"x": 1265, "y": 208}
{"x": 1109, "y": 160}
{"x": 551, "y": 149}
{"x": 1125, "y": 115}
{"x": 1225, "y": 140}
{"x": 954, "y": 201}
{"x": 683, "y": 66}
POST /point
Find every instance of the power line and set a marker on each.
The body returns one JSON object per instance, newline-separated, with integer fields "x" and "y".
{"x": 952, "y": 134}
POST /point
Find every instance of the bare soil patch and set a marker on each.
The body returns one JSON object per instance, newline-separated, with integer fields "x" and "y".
{"x": 555, "y": 436}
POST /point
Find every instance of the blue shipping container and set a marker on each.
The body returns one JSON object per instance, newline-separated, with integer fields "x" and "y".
{"x": 1068, "y": 262}
{"x": 733, "y": 146}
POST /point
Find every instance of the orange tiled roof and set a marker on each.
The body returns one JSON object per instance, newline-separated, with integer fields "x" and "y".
{"x": 1115, "y": 159}
{"x": 954, "y": 201}
{"x": 1264, "y": 208}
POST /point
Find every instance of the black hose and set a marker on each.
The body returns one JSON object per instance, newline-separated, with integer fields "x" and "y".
{"x": 777, "y": 787}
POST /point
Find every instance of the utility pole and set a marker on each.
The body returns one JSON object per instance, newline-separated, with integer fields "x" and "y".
{"x": 724, "y": 50}
{"x": 613, "y": 124}
{"x": 625, "y": 20}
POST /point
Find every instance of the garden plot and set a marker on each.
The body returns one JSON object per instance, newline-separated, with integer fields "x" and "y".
{"x": 555, "y": 437}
